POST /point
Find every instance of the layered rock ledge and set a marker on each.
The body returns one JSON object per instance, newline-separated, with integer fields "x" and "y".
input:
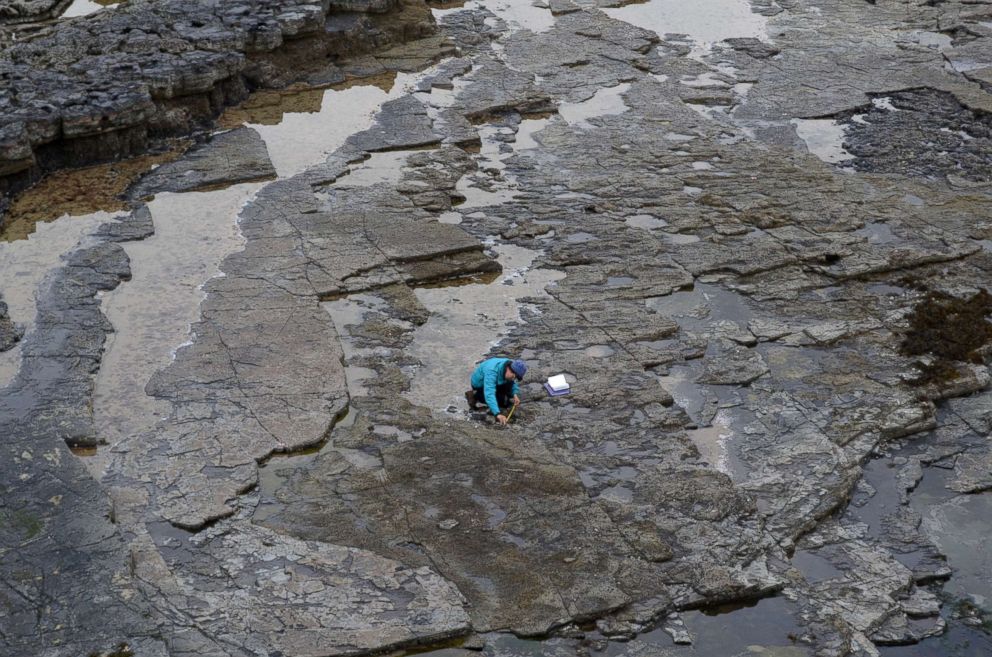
{"x": 110, "y": 84}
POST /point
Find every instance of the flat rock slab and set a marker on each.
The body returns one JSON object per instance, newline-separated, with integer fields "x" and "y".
{"x": 973, "y": 471}
{"x": 228, "y": 158}
{"x": 496, "y": 513}
{"x": 281, "y": 595}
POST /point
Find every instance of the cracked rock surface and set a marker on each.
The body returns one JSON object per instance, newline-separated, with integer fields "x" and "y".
{"x": 231, "y": 157}
{"x": 751, "y": 418}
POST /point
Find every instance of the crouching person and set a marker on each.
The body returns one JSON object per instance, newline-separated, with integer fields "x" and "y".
{"x": 495, "y": 384}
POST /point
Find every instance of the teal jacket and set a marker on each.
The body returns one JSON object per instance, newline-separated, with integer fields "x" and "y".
{"x": 487, "y": 375}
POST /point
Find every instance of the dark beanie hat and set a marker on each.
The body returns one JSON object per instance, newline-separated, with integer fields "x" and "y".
{"x": 519, "y": 368}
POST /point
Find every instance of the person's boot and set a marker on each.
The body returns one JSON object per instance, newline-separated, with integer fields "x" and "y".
{"x": 470, "y": 398}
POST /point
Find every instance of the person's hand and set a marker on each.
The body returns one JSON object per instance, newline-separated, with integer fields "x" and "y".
{"x": 501, "y": 419}
{"x": 516, "y": 400}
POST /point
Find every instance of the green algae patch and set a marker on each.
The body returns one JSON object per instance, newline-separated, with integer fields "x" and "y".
{"x": 26, "y": 524}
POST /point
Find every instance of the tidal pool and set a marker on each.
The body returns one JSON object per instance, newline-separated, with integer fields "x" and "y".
{"x": 960, "y": 525}
{"x": 466, "y": 321}
{"x": 194, "y": 231}
{"x": 520, "y": 14}
{"x": 703, "y": 21}
{"x": 303, "y": 139}
{"x": 824, "y": 138}
{"x": 153, "y": 312}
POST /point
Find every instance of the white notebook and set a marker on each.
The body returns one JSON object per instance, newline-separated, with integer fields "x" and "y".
{"x": 557, "y": 382}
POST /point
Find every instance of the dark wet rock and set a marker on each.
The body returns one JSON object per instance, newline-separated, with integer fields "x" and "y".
{"x": 754, "y": 47}
{"x": 226, "y": 159}
{"x": 870, "y": 591}
{"x": 9, "y": 332}
{"x": 52, "y": 391}
{"x": 522, "y": 532}
{"x": 51, "y": 503}
{"x": 136, "y": 225}
{"x": 165, "y": 76}
{"x": 926, "y": 132}
{"x": 29, "y": 11}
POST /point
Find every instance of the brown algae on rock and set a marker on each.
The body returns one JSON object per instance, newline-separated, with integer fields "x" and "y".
{"x": 949, "y": 329}
{"x": 79, "y": 192}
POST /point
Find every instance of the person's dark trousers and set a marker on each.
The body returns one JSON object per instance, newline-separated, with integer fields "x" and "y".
{"x": 504, "y": 395}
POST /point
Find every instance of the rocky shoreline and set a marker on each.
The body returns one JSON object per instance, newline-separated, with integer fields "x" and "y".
{"x": 116, "y": 83}
{"x": 747, "y": 321}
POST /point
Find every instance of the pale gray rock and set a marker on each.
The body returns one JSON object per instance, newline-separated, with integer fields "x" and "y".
{"x": 972, "y": 471}
{"x": 283, "y": 595}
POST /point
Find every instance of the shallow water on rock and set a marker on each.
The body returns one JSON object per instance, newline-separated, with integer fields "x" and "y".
{"x": 302, "y": 139}
{"x": 277, "y": 470}
{"x": 350, "y": 311}
{"x": 605, "y": 102}
{"x": 378, "y": 168}
{"x": 79, "y": 192}
{"x": 194, "y": 232}
{"x": 86, "y": 7}
{"x": 703, "y": 21}
{"x": 152, "y": 313}
{"x": 475, "y": 317}
{"x": 761, "y": 628}
{"x": 960, "y": 525}
{"x": 24, "y": 265}
{"x": 645, "y": 221}
{"x": 824, "y": 138}
{"x": 491, "y": 185}
{"x": 709, "y": 406}
{"x": 519, "y": 14}
{"x": 715, "y": 432}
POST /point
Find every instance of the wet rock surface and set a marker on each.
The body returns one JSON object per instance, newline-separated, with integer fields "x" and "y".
{"x": 925, "y": 133}
{"x": 51, "y": 503}
{"x": 23, "y": 11}
{"x": 228, "y": 158}
{"x": 106, "y": 86}
{"x": 9, "y": 332}
{"x": 765, "y": 409}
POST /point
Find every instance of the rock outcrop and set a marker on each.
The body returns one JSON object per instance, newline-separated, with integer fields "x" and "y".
{"x": 110, "y": 84}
